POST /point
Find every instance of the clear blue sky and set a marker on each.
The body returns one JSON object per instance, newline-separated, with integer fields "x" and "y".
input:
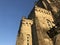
{"x": 11, "y": 12}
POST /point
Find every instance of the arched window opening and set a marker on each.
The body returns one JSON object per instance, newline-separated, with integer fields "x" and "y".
{"x": 28, "y": 36}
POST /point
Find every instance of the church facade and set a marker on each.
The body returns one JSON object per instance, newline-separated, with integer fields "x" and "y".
{"x": 42, "y": 25}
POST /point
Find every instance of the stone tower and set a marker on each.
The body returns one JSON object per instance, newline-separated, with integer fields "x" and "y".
{"x": 42, "y": 22}
{"x": 34, "y": 30}
{"x": 25, "y": 36}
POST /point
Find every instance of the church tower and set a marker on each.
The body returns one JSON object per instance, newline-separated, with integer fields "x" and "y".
{"x": 25, "y": 33}
{"x": 42, "y": 22}
{"x": 33, "y": 30}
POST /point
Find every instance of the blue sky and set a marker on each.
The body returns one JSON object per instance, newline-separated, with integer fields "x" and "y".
{"x": 11, "y": 12}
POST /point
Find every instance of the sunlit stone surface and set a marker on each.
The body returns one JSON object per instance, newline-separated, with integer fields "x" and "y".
{"x": 42, "y": 25}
